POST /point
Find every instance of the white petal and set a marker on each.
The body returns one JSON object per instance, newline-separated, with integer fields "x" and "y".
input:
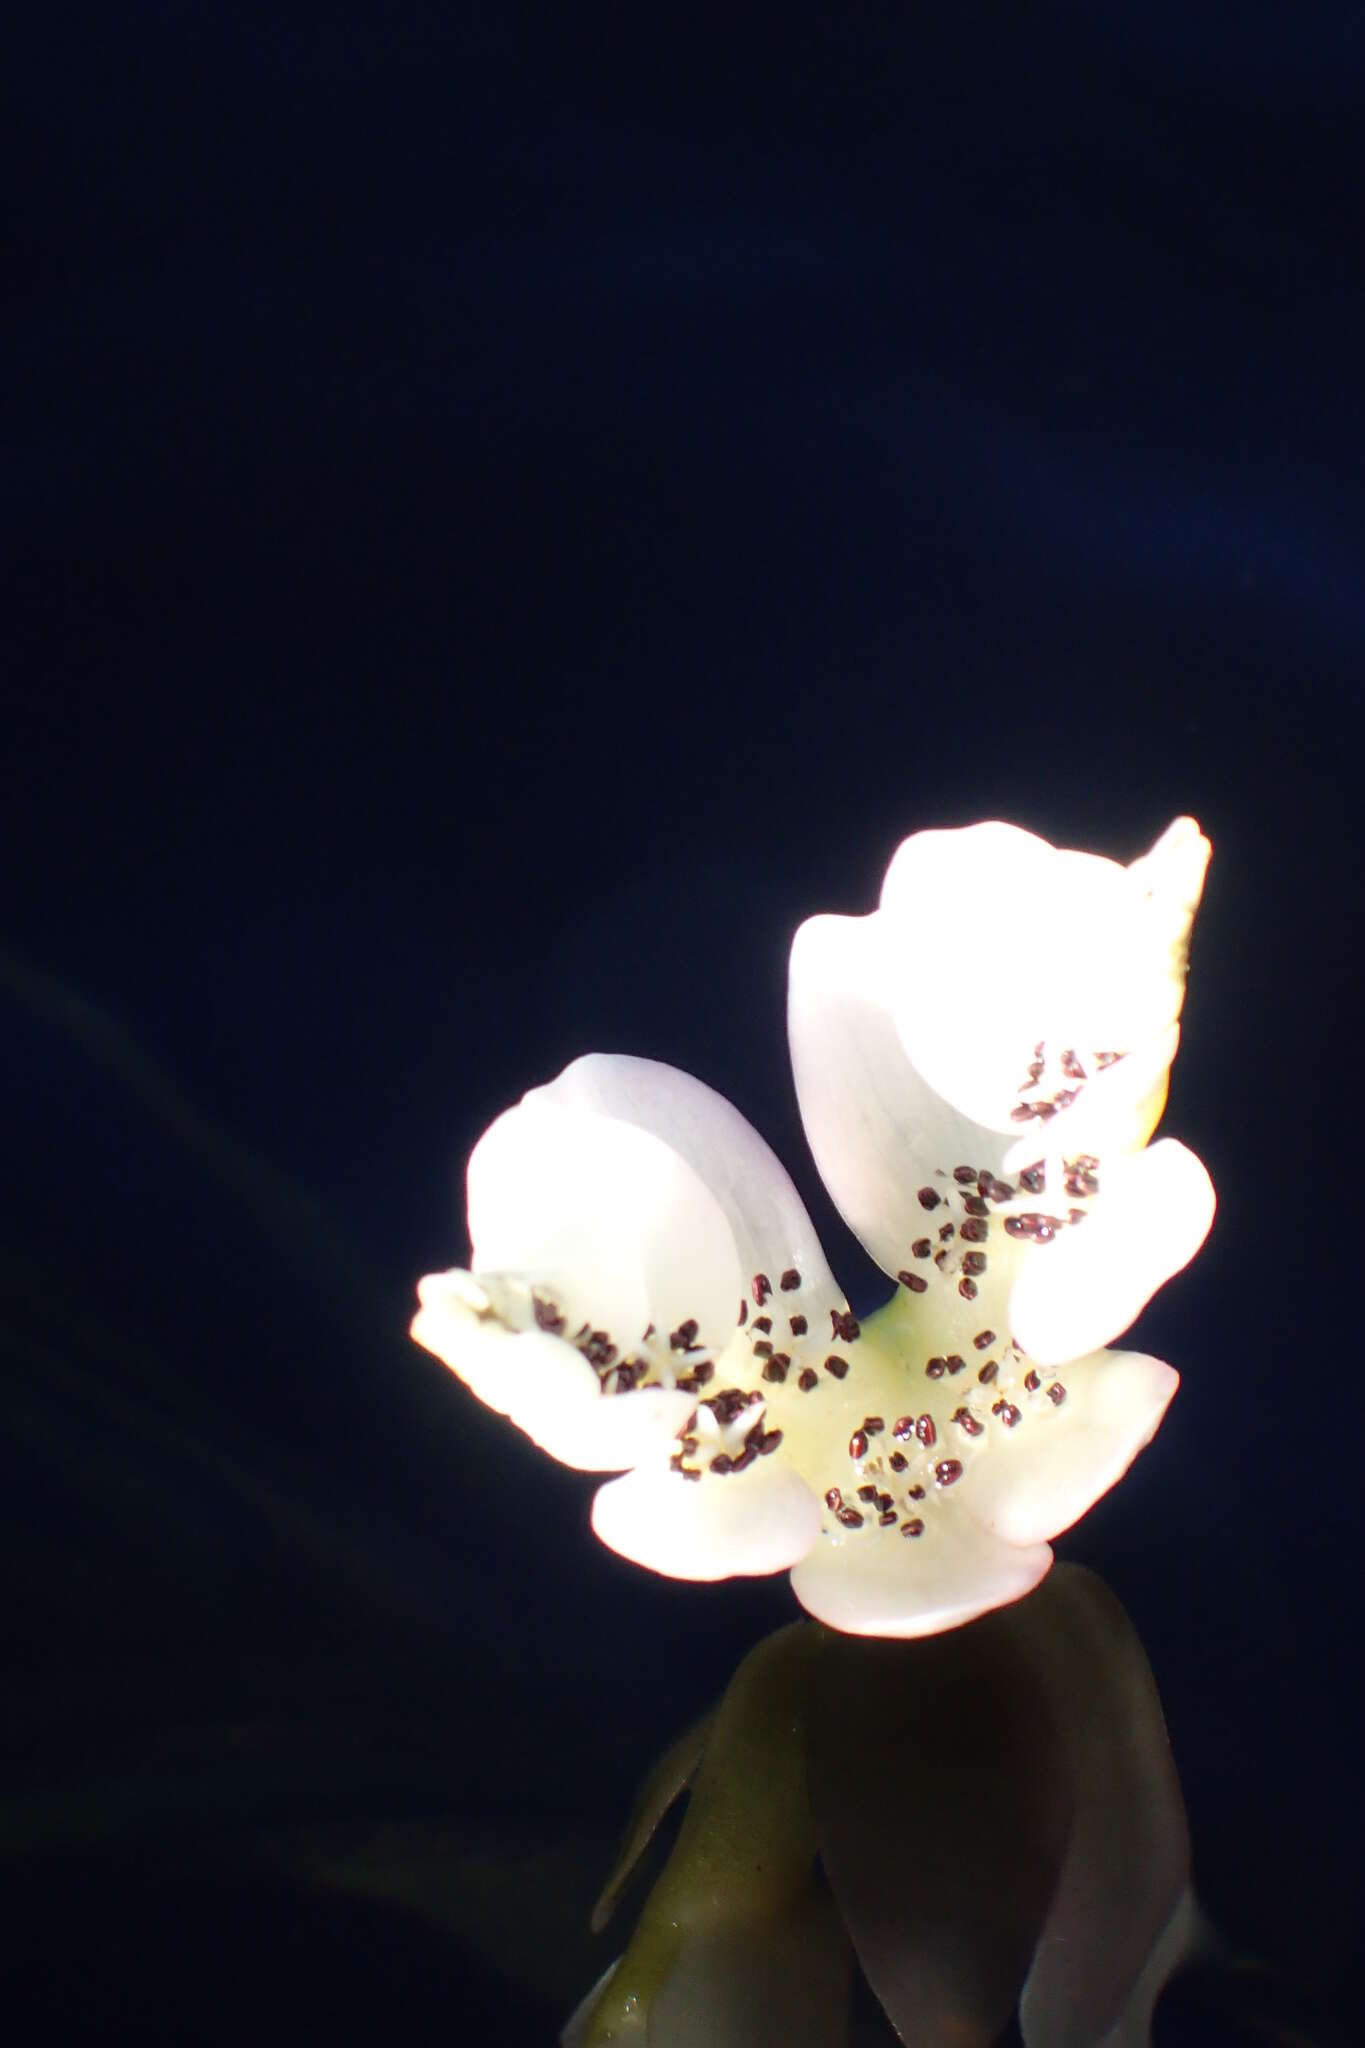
{"x": 876, "y": 1128}
{"x": 879, "y": 1583}
{"x": 1002, "y": 941}
{"x": 1042, "y": 1476}
{"x": 616, "y": 1211}
{"x": 1152, "y": 1214}
{"x": 541, "y": 1383}
{"x": 1113, "y": 1113}
{"x": 744, "y": 1524}
{"x": 772, "y": 1231}
{"x": 616, "y": 1431}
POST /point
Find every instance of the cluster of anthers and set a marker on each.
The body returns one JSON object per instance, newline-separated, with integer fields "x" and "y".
{"x": 991, "y": 1153}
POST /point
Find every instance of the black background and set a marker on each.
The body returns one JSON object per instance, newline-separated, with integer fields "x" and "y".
{"x": 505, "y": 516}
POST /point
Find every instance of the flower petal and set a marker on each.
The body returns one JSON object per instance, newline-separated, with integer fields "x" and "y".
{"x": 1037, "y": 1480}
{"x": 1030, "y": 944}
{"x": 877, "y": 1129}
{"x": 743, "y": 1524}
{"x": 771, "y": 1229}
{"x": 877, "y": 1583}
{"x": 1116, "y": 1112}
{"x": 543, "y": 1385}
{"x": 1150, "y": 1219}
{"x": 615, "y": 1211}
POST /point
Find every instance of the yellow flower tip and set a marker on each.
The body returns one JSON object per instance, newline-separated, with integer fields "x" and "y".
{"x": 1172, "y": 875}
{"x": 1151, "y": 1109}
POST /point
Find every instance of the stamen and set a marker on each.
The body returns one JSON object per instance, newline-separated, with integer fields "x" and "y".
{"x": 547, "y": 1316}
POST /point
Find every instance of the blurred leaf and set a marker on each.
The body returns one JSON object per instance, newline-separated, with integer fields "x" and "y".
{"x": 1127, "y": 1860}
{"x": 941, "y": 1800}
{"x": 670, "y": 1777}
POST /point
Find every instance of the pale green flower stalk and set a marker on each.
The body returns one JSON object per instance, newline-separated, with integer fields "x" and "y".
{"x": 980, "y": 1065}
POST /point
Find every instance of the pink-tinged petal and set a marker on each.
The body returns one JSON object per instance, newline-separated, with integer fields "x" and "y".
{"x": 542, "y": 1384}
{"x": 630, "y": 1228}
{"x": 1043, "y": 1475}
{"x": 772, "y": 1232}
{"x": 742, "y": 1524}
{"x": 876, "y": 1128}
{"x": 1084, "y": 1289}
{"x": 876, "y": 1582}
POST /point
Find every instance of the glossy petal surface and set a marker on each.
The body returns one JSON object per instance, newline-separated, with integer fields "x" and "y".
{"x": 1087, "y": 1288}
{"x": 1028, "y": 1490}
{"x": 761, "y": 1521}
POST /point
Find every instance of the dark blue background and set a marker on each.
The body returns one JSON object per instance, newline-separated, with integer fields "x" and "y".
{"x": 504, "y": 517}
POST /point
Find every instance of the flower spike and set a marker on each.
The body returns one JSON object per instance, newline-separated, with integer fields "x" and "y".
{"x": 980, "y": 1064}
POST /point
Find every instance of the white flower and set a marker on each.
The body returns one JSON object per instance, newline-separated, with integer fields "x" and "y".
{"x": 980, "y": 1064}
